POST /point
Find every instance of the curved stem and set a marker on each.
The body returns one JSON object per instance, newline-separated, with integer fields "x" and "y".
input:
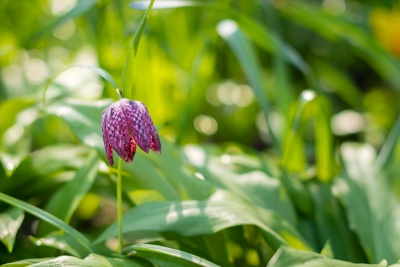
{"x": 119, "y": 204}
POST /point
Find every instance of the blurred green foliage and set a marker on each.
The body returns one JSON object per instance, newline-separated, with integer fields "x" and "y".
{"x": 279, "y": 122}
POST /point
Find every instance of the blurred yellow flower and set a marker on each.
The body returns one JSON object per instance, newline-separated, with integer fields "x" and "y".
{"x": 385, "y": 24}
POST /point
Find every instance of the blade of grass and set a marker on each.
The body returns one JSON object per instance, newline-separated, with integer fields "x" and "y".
{"x": 47, "y": 217}
{"x": 313, "y": 107}
{"x": 130, "y": 59}
{"x": 386, "y": 154}
{"x": 246, "y": 55}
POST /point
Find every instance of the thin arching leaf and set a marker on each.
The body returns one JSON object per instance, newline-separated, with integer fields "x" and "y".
{"x": 98, "y": 70}
{"x": 45, "y": 216}
{"x": 130, "y": 59}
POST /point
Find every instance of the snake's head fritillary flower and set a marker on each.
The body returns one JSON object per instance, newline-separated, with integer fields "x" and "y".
{"x": 124, "y": 124}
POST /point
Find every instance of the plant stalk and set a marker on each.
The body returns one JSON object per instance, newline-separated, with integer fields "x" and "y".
{"x": 119, "y": 204}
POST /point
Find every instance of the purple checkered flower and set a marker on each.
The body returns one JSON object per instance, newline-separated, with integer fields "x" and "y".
{"x": 124, "y": 124}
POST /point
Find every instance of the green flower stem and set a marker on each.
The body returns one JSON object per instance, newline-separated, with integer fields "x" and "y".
{"x": 119, "y": 204}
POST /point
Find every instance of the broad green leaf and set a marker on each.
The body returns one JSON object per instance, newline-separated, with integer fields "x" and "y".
{"x": 93, "y": 260}
{"x": 84, "y": 118}
{"x": 10, "y": 222}
{"x": 242, "y": 175}
{"x": 248, "y": 59}
{"x": 12, "y": 107}
{"x": 130, "y": 58}
{"x": 23, "y": 263}
{"x": 373, "y": 209}
{"x": 332, "y": 225}
{"x": 289, "y": 257}
{"x": 47, "y": 217}
{"x": 45, "y": 167}
{"x": 79, "y": 9}
{"x": 59, "y": 241}
{"x": 73, "y": 191}
{"x": 222, "y": 210}
{"x": 163, "y": 256}
{"x": 97, "y": 70}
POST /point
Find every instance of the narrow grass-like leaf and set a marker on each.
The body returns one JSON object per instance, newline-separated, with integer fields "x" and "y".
{"x": 387, "y": 153}
{"x": 289, "y": 257}
{"x": 98, "y": 70}
{"x": 338, "y": 28}
{"x": 10, "y": 222}
{"x": 130, "y": 58}
{"x": 163, "y": 256}
{"x": 73, "y": 191}
{"x": 79, "y": 9}
{"x": 246, "y": 55}
{"x": 47, "y": 217}
{"x": 311, "y": 106}
{"x": 220, "y": 211}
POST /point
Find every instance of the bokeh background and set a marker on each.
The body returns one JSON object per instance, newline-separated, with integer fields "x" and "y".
{"x": 288, "y": 80}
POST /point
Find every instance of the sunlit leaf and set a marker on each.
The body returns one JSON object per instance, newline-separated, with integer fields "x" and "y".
{"x": 23, "y": 263}
{"x": 220, "y": 211}
{"x": 289, "y": 257}
{"x": 10, "y": 222}
{"x": 373, "y": 208}
{"x": 61, "y": 242}
{"x": 93, "y": 260}
{"x": 163, "y": 256}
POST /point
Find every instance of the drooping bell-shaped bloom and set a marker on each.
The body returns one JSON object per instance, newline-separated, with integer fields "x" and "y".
{"x": 124, "y": 124}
